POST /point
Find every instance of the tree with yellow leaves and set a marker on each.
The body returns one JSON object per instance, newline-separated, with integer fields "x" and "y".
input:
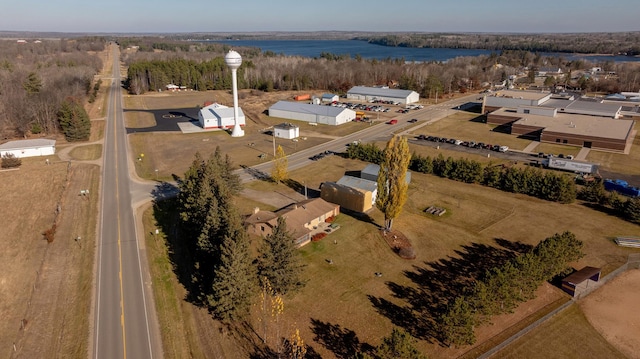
{"x": 280, "y": 164}
{"x": 392, "y": 185}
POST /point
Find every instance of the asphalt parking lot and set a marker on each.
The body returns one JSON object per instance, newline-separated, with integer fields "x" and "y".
{"x": 167, "y": 119}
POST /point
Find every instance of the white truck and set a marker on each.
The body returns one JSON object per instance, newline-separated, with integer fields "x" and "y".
{"x": 570, "y": 165}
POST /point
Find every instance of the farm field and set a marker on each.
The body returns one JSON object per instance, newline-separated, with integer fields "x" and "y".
{"x": 345, "y": 300}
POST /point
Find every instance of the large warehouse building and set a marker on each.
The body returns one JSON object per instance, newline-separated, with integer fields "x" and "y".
{"x": 363, "y": 93}
{"x": 328, "y": 115}
{"x": 578, "y": 122}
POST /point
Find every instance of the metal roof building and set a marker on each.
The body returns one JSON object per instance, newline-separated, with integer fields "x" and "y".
{"x": 328, "y": 115}
{"x": 364, "y": 93}
{"x": 29, "y": 148}
{"x": 219, "y": 116}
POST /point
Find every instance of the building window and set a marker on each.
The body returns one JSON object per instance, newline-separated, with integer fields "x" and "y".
{"x": 526, "y": 111}
{"x": 262, "y": 228}
{"x": 557, "y": 140}
{"x": 564, "y": 141}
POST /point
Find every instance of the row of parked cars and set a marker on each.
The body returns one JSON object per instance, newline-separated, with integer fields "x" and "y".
{"x": 360, "y": 106}
{"x": 470, "y": 144}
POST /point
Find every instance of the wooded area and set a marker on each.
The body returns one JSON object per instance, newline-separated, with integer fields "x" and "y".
{"x": 38, "y": 76}
{"x": 200, "y": 66}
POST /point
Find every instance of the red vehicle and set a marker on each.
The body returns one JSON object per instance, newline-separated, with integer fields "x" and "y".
{"x": 393, "y": 122}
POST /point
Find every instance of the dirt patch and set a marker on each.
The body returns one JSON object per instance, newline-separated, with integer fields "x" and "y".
{"x": 399, "y": 243}
{"x": 612, "y": 311}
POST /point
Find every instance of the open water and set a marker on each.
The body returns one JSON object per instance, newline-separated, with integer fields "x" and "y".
{"x": 313, "y": 48}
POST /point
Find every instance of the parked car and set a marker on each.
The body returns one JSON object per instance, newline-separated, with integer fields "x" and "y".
{"x": 503, "y": 148}
{"x": 392, "y": 122}
{"x": 457, "y": 142}
{"x": 569, "y": 157}
{"x": 413, "y": 120}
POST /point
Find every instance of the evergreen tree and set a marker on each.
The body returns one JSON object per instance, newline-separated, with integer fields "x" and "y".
{"x": 234, "y": 277}
{"x": 457, "y": 323}
{"x": 33, "y": 83}
{"x": 279, "y": 260}
{"x": 392, "y": 185}
{"x": 74, "y": 121}
{"x": 398, "y": 345}
{"x": 280, "y": 164}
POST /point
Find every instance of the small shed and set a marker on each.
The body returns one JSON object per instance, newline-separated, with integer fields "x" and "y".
{"x": 370, "y": 172}
{"x": 579, "y": 281}
{"x": 286, "y": 130}
{"x": 29, "y": 148}
{"x": 329, "y": 97}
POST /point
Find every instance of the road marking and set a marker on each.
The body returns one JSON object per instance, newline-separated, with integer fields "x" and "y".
{"x": 115, "y": 138}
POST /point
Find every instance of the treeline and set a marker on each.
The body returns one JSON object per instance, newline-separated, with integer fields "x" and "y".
{"x": 223, "y": 274}
{"x": 530, "y": 181}
{"x": 624, "y": 207}
{"x": 36, "y": 78}
{"x": 191, "y": 66}
{"x": 504, "y": 287}
{"x": 627, "y": 43}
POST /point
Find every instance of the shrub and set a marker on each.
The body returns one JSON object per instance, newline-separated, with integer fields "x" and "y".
{"x": 330, "y": 219}
{"x": 50, "y": 234}
{"x": 318, "y": 236}
{"x": 9, "y": 160}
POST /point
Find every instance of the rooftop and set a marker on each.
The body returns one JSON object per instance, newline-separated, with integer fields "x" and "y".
{"x": 19, "y": 144}
{"x": 527, "y": 95}
{"x": 308, "y": 108}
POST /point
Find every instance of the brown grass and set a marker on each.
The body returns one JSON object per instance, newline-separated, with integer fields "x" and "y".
{"x": 47, "y": 284}
{"x": 567, "y": 335}
{"x": 337, "y": 295}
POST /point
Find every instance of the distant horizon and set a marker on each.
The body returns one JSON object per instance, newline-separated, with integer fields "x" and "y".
{"x": 249, "y": 16}
{"x": 315, "y": 34}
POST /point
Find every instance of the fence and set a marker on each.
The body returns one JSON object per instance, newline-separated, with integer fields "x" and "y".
{"x": 633, "y": 262}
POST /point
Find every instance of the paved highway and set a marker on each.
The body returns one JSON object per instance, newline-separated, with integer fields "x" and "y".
{"x": 123, "y": 304}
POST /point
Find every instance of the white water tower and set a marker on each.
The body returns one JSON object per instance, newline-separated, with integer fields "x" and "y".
{"x": 234, "y": 60}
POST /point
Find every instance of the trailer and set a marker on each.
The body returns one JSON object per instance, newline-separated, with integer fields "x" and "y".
{"x": 570, "y": 165}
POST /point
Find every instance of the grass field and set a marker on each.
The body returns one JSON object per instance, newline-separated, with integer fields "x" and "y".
{"x": 345, "y": 298}
{"x": 48, "y": 285}
{"x": 567, "y": 335}
{"x": 616, "y": 162}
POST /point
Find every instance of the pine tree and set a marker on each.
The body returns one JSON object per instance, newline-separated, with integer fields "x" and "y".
{"x": 74, "y": 121}
{"x": 234, "y": 277}
{"x": 457, "y": 323}
{"x": 398, "y": 345}
{"x": 33, "y": 84}
{"x": 279, "y": 260}
{"x": 280, "y": 164}
{"x": 392, "y": 185}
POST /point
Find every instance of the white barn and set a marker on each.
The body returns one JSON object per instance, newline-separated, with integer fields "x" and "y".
{"x": 29, "y": 148}
{"x": 328, "y": 115}
{"x": 364, "y": 93}
{"x": 219, "y": 116}
{"x": 286, "y": 130}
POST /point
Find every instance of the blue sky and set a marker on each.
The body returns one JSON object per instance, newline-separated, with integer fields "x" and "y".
{"x": 142, "y": 16}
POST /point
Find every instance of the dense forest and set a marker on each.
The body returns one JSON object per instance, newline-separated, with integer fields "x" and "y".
{"x": 37, "y": 77}
{"x": 201, "y": 66}
{"x": 625, "y": 43}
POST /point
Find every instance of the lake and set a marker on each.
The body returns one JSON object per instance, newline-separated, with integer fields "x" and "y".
{"x": 313, "y": 48}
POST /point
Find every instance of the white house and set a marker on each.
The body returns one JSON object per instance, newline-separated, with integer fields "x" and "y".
{"x": 328, "y": 115}
{"x": 29, "y": 148}
{"x": 219, "y": 116}
{"x": 286, "y": 130}
{"x": 364, "y": 93}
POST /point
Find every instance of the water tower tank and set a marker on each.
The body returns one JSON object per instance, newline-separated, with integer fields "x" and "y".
{"x": 233, "y": 59}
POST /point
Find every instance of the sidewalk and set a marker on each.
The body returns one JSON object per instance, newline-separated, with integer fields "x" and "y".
{"x": 530, "y": 147}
